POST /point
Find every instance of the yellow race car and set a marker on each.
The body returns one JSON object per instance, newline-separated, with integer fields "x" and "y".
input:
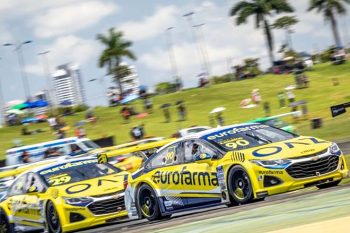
{"x": 233, "y": 165}
{"x": 65, "y": 196}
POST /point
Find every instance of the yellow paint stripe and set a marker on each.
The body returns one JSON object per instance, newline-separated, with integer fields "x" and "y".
{"x": 338, "y": 225}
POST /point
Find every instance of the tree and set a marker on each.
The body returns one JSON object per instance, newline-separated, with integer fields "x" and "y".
{"x": 261, "y": 10}
{"x": 116, "y": 48}
{"x": 329, "y": 8}
{"x": 286, "y": 22}
{"x": 165, "y": 87}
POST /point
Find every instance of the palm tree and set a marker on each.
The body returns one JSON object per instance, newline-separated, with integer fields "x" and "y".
{"x": 261, "y": 9}
{"x": 329, "y": 8}
{"x": 285, "y": 22}
{"x": 116, "y": 47}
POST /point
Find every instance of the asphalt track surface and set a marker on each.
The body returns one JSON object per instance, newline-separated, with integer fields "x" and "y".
{"x": 314, "y": 204}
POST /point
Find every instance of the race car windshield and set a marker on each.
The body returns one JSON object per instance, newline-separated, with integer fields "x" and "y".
{"x": 90, "y": 145}
{"x": 244, "y": 137}
{"x": 76, "y": 171}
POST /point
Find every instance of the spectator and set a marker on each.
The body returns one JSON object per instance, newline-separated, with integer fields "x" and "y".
{"x": 79, "y": 132}
{"x": 267, "y": 109}
{"x": 305, "y": 80}
{"x": 60, "y": 134}
{"x": 125, "y": 113}
{"x": 166, "y": 113}
{"x": 256, "y": 97}
{"x": 25, "y": 131}
{"x": 182, "y": 112}
{"x": 291, "y": 96}
{"x": 25, "y": 157}
{"x": 137, "y": 132}
{"x": 148, "y": 105}
{"x": 281, "y": 99}
{"x": 90, "y": 116}
{"x": 53, "y": 123}
{"x": 220, "y": 119}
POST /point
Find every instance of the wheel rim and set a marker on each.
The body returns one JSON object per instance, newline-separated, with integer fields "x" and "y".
{"x": 241, "y": 185}
{"x": 147, "y": 203}
{"x": 53, "y": 218}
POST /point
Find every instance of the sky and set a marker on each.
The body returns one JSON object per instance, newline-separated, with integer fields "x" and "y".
{"x": 68, "y": 29}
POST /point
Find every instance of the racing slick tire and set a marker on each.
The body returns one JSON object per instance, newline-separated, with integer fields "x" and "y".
{"x": 52, "y": 219}
{"x": 239, "y": 186}
{"x": 328, "y": 185}
{"x": 148, "y": 204}
{"x": 5, "y": 225}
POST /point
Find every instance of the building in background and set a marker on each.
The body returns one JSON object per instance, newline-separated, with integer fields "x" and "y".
{"x": 131, "y": 83}
{"x": 68, "y": 87}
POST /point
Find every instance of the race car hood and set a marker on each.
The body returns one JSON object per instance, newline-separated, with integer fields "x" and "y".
{"x": 95, "y": 187}
{"x": 296, "y": 147}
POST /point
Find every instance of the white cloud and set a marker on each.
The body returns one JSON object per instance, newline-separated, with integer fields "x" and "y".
{"x": 71, "y": 18}
{"x": 16, "y": 8}
{"x": 67, "y": 49}
{"x": 151, "y": 26}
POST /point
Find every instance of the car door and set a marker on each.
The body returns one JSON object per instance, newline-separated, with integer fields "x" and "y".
{"x": 16, "y": 199}
{"x": 32, "y": 203}
{"x": 199, "y": 173}
{"x": 164, "y": 170}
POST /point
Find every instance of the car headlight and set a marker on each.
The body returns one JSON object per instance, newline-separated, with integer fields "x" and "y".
{"x": 334, "y": 149}
{"x": 77, "y": 201}
{"x": 272, "y": 164}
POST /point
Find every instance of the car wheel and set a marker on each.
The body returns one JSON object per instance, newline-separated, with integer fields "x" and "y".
{"x": 5, "y": 225}
{"x": 328, "y": 185}
{"x": 240, "y": 188}
{"x": 52, "y": 219}
{"x": 148, "y": 204}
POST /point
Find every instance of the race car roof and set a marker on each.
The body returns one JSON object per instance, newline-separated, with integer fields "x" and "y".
{"x": 47, "y": 166}
{"x": 207, "y": 132}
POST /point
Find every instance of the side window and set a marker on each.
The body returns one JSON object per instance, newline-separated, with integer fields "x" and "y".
{"x": 33, "y": 180}
{"x": 18, "y": 187}
{"x": 75, "y": 150}
{"x": 168, "y": 156}
{"x": 193, "y": 148}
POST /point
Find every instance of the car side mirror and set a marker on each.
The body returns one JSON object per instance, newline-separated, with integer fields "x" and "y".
{"x": 32, "y": 189}
{"x": 203, "y": 158}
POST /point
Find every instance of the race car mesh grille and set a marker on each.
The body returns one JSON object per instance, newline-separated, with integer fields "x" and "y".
{"x": 108, "y": 206}
{"x": 313, "y": 168}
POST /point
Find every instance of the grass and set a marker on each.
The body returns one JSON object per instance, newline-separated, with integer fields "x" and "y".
{"x": 199, "y": 102}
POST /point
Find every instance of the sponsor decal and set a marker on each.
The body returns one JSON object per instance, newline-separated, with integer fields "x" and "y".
{"x": 267, "y": 151}
{"x": 272, "y": 150}
{"x": 67, "y": 165}
{"x": 102, "y": 158}
{"x": 59, "y": 179}
{"x": 307, "y": 151}
{"x": 270, "y": 172}
{"x": 185, "y": 177}
{"x": 235, "y": 142}
{"x": 81, "y": 187}
{"x": 235, "y": 130}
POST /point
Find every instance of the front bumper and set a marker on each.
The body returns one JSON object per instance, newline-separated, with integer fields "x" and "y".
{"x": 282, "y": 180}
{"x": 78, "y": 217}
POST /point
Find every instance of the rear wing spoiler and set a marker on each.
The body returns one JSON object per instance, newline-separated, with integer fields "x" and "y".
{"x": 103, "y": 157}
